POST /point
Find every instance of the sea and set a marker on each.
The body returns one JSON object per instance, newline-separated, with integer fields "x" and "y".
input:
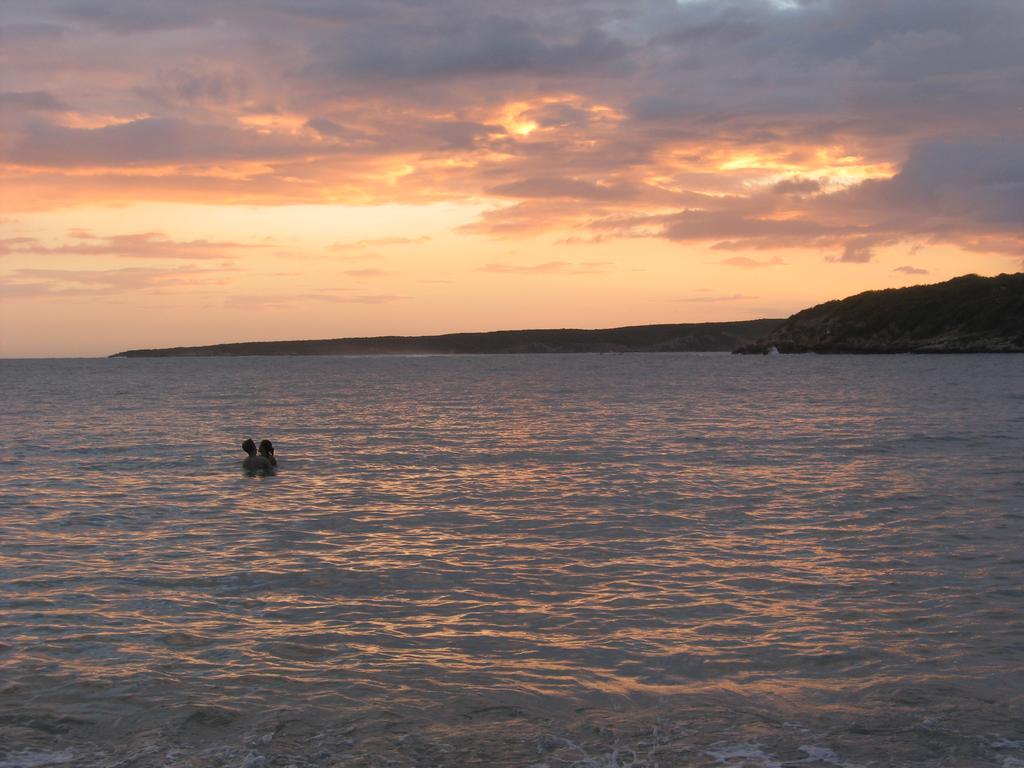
{"x": 545, "y": 561}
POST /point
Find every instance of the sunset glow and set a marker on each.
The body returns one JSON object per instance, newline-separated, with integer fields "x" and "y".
{"x": 194, "y": 172}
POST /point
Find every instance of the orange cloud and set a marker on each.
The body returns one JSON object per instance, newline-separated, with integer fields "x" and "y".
{"x": 378, "y": 242}
{"x": 34, "y": 283}
{"x": 145, "y": 245}
{"x": 549, "y": 268}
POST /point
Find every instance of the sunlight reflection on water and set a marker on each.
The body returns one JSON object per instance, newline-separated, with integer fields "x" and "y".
{"x": 487, "y": 555}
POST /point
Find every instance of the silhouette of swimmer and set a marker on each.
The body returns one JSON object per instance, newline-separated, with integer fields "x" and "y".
{"x": 258, "y": 462}
{"x": 267, "y": 451}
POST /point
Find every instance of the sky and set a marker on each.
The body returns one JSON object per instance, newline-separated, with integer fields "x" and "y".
{"x": 207, "y": 171}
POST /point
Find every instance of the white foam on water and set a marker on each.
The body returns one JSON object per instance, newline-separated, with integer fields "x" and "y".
{"x": 743, "y": 755}
{"x": 1000, "y": 742}
{"x": 795, "y": 726}
{"x": 748, "y": 755}
{"x": 37, "y": 759}
{"x": 824, "y": 755}
{"x": 618, "y": 757}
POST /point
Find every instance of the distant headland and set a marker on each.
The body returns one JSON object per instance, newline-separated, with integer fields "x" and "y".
{"x": 965, "y": 314}
{"x": 683, "y": 337}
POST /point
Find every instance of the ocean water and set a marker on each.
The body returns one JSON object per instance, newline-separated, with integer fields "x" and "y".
{"x": 591, "y": 561}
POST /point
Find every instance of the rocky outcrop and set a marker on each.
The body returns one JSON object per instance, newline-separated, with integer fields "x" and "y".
{"x": 966, "y": 314}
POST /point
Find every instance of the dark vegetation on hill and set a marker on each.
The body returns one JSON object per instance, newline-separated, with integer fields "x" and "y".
{"x": 966, "y": 314}
{"x": 685, "y": 337}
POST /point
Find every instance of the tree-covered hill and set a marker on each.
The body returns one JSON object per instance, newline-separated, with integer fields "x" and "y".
{"x": 966, "y": 314}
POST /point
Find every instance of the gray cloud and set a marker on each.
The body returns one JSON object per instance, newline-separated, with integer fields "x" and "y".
{"x": 980, "y": 182}
{"x": 22, "y": 33}
{"x": 148, "y": 141}
{"x": 796, "y": 186}
{"x": 137, "y": 16}
{"x": 474, "y": 45}
{"x": 39, "y": 101}
{"x": 946, "y": 191}
{"x": 578, "y": 189}
{"x": 739, "y": 224}
{"x": 858, "y": 250}
{"x": 218, "y": 88}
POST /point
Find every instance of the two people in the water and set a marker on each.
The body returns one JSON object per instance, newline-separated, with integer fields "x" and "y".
{"x": 261, "y": 460}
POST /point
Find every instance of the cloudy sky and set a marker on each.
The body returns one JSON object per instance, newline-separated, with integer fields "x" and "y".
{"x": 203, "y": 171}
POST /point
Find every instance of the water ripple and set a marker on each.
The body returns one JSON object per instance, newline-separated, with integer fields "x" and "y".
{"x": 564, "y": 560}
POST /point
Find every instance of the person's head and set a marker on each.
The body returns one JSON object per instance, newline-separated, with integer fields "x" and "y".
{"x": 249, "y": 446}
{"x": 266, "y": 448}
